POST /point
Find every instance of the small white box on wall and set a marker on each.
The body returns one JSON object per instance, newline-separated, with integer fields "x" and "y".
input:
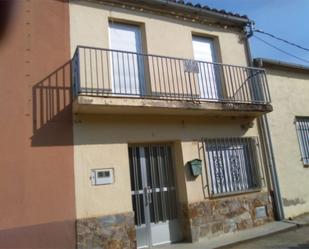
{"x": 102, "y": 176}
{"x": 260, "y": 212}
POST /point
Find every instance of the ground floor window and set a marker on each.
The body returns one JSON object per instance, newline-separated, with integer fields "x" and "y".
{"x": 232, "y": 164}
{"x": 302, "y": 127}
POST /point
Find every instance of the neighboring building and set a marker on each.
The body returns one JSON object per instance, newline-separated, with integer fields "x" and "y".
{"x": 36, "y": 164}
{"x": 289, "y": 128}
{"x": 164, "y": 144}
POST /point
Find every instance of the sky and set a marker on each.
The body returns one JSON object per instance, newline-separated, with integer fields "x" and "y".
{"x": 288, "y": 19}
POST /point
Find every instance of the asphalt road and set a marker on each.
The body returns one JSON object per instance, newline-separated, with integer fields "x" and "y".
{"x": 294, "y": 239}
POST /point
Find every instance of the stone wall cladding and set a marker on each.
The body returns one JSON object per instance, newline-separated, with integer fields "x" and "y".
{"x": 107, "y": 232}
{"x": 214, "y": 217}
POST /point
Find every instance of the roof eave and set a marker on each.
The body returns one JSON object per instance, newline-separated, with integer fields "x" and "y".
{"x": 282, "y": 65}
{"x": 175, "y": 8}
{"x": 212, "y": 14}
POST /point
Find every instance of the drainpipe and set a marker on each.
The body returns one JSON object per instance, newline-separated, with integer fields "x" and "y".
{"x": 270, "y": 161}
{"x": 264, "y": 130}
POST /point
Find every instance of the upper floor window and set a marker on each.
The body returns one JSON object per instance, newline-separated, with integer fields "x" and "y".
{"x": 127, "y": 64}
{"x": 209, "y": 85}
{"x": 232, "y": 165}
{"x": 302, "y": 127}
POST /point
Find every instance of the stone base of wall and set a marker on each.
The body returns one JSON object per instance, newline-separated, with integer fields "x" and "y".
{"x": 107, "y": 232}
{"x": 214, "y": 217}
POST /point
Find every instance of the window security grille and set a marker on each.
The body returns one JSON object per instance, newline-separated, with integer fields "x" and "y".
{"x": 232, "y": 165}
{"x": 302, "y": 128}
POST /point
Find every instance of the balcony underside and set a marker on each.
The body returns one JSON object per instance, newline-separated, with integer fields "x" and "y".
{"x": 129, "y": 105}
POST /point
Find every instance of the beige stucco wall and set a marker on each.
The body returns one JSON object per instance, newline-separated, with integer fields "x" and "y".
{"x": 104, "y": 199}
{"x": 290, "y": 98}
{"x": 101, "y": 141}
{"x": 163, "y": 35}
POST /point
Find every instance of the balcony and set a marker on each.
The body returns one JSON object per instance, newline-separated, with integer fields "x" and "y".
{"x": 110, "y": 81}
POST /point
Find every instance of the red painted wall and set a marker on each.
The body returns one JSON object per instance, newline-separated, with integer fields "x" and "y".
{"x": 37, "y": 205}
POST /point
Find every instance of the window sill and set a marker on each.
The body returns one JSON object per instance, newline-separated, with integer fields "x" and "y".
{"x": 214, "y": 196}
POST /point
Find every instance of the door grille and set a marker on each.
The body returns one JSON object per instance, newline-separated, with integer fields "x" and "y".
{"x": 157, "y": 189}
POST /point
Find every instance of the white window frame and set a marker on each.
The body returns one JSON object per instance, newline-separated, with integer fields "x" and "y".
{"x": 302, "y": 130}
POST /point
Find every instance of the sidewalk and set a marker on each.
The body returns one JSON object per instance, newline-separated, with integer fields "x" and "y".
{"x": 227, "y": 240}
{"x": 290, "y": 239}
{"x": 235, "y": 238}
{"x": 302, "y": 220}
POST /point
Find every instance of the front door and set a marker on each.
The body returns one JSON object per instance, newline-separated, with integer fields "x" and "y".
{"x": 127, "y": 70}
{"x": 203, "y": 49}
{"x": 153, "y": 195}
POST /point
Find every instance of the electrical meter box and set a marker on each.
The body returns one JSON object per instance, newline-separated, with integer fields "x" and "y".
{"x": 102, "y": 176}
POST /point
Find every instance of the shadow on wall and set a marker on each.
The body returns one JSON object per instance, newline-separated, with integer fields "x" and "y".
{"x": 50, "y": 235}
{"x": 52, "y": 119}
{"x": 52, "y": 109}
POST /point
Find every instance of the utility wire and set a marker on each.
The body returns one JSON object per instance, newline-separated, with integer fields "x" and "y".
{"x": 281, "y": 50}
{"x": 280, "y": 39}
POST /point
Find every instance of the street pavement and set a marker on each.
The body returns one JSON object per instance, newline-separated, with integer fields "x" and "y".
{"x": 293, "y": 239}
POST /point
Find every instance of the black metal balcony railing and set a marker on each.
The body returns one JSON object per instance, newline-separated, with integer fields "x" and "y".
{"x": 106, "y": 72}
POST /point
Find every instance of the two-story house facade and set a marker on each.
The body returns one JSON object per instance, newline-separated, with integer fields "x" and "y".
{"x": 156, "y": 86}
{"x": 138, "y": 126}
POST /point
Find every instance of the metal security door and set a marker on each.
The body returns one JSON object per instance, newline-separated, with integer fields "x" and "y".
{"x": 153, "y": 195}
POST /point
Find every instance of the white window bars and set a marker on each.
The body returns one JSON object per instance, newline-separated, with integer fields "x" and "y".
{"x": 232, "y": 165}
{"x": 302, "y": 128}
